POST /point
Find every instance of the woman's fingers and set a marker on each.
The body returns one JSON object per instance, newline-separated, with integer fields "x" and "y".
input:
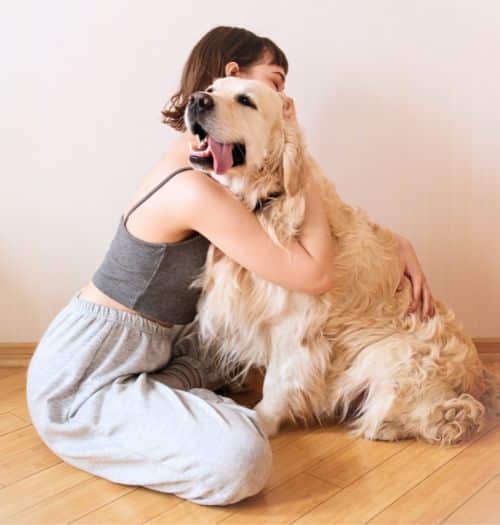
{"x": 417, "y": 292}
{"x": 428, "y": 309}
{"x": 422, "y": 300}
{"x": 425, "y": 303}
{"x": 421, "y": 294}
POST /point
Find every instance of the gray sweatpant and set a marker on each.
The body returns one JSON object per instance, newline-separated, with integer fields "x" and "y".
{"x": 99, "y": 398}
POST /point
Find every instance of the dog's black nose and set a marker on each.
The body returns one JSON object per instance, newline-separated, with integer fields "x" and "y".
{"x": 201, "y": 101}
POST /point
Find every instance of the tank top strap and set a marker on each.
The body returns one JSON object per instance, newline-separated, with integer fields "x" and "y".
{"x": 156, "y": 188}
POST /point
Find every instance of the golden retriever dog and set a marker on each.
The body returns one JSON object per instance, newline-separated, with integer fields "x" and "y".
{"x": 353, "y": 352}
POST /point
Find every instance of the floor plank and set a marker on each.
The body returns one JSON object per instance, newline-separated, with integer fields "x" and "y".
{"x": 15, "y": 403}
{"x": 289, "y": 434}
{"x": 282, "y": 504}
{"x": 285, "y": 503}
{"x": 30, "y": 491}
{"x": 10, "y": 422}
{"x": 187, "y": 513}
{"x": 8, "y": 371}
{"x": 307, "y": 451}
{"x": 18, "y": 440}
{"x": 12, "y": 382}
{"x": 24, "y": 463}
{"x": 436, "y": 497}
{"x": 483, "y": 507}
{"x": 345, "y": 466}
{"x": 71, "y": 503}
{"x": 137, "y": 506}
{"x": 373, "y": 492}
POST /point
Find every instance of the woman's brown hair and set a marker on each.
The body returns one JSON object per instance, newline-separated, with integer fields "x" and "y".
{"x": 207, "y": 61}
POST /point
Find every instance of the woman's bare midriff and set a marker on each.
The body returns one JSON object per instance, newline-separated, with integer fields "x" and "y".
{"x": 91, "y": 293}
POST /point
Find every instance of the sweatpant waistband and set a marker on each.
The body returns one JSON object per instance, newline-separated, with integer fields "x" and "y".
{"x": 121, "y": 316}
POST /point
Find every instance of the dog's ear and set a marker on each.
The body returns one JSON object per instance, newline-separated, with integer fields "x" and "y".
{"x": 286, "y": 159}
{"x": 293, "y": 157}
{"x": 292, "y": 151}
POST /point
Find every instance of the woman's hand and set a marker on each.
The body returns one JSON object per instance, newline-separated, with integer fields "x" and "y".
{"x": 422, "y": 296}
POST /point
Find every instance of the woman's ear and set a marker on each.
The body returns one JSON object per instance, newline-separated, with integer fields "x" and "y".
{"x": 231, "y": 69}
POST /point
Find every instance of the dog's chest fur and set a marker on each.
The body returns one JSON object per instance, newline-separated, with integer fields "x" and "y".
{"x": 249, "y": 316}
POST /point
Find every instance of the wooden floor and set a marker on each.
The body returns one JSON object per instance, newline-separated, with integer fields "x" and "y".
{"x": 319, "y": 476}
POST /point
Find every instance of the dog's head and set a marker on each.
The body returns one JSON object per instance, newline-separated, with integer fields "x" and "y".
{"x": 242, "y": 131}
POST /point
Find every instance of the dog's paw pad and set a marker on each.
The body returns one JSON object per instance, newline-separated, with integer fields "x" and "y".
{"x": 455, "y": 420}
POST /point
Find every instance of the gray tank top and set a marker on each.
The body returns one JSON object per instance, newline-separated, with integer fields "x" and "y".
{"x": 153, "y": 278}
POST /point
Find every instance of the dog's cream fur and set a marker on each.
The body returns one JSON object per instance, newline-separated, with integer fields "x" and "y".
{"x": 352, "y": 351}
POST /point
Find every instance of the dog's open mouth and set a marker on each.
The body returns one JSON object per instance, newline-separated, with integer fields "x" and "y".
{"x": 210, "y": 153}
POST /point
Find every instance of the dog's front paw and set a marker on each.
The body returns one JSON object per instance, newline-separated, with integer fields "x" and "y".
{"x": 268, "y": 423}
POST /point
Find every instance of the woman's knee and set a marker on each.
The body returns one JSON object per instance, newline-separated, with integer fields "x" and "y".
{"x": 246, "y": 469}
{"x": 239, "y": 466}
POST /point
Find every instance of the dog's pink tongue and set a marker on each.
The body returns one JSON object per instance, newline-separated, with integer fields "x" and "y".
{"x": 222, "y": 155}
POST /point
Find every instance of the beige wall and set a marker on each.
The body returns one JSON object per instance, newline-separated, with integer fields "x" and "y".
{"x": 399, "y": 101}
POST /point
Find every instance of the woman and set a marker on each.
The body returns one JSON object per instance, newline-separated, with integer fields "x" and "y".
{"x": 116, "y": 386}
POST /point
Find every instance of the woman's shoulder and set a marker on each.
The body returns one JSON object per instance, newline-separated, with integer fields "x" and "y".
{"x": 161, "y": 216}
{"x": 183, "y": 180}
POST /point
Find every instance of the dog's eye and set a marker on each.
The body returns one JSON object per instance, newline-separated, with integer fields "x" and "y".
{"x": 209, "y": 90}
{"x": 246, "y": 101}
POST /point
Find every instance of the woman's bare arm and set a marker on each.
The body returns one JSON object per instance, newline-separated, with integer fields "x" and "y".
{"x": 211, "y": 209}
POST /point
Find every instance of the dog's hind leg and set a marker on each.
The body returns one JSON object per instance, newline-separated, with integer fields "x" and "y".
{"x": 461, "y": 414}
{"x": 448, "y": 406}
{"x": 441, "y": 416}
{"x": 437, "y": 415}
{"x": 432, "y": 412}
